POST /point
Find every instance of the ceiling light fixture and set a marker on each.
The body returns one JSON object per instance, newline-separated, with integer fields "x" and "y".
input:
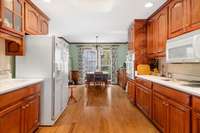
{"x": 48, "y": 1}
{"x": 148, "y": 5}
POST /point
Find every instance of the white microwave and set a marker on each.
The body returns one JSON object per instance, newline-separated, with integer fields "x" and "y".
{"x": 184, "y": 49}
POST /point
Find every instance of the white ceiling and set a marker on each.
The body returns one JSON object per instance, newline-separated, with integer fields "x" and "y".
{"x": 82, "y": 20}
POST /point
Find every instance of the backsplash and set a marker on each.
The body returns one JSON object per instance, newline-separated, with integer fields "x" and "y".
{"x": 5, "y": 62}
{"x": 181, "y": 71}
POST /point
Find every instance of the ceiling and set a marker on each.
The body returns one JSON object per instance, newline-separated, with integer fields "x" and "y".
{"x": 82, "y": 20}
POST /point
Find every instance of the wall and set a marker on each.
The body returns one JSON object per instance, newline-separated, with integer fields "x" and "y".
{"x": 5, "y": 62}
{"x": 122, "y": 52}
{"x": 73, "y": 55}
{"x": 182, "y": 71}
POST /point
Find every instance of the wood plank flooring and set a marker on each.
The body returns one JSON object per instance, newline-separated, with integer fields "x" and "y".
{"x": 101, "y": 110}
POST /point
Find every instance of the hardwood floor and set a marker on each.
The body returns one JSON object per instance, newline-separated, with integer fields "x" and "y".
{"x": 101, "y": 110}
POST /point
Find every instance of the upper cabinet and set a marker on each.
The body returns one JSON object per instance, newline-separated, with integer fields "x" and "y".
{"x": 35, "y": 21}
{"x": 12, "y": 26}
{"x": 44, "y": 25}
{"x": 177, "y": 17}
{"x": 31, "y": 19}
{"x": 162, "y": 30}
{"x": 194, "y": 14}
{"x": 12, "y": 16}
{"x": 139, "y": 41}
{"x": 174, "y": 18}
{"x": 18, "y": 17}
{"x": 157, "y": 29}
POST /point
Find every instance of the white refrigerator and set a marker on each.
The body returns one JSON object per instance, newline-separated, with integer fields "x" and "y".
{"x": 47, "y": 57}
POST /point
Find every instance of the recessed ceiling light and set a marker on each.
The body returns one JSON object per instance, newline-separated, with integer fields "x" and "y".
{"x": 148, "y": 5}
{"x": 48, "y": 1}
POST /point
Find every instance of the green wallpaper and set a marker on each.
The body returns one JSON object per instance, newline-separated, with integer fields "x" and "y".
{"x": 73, "y": 51}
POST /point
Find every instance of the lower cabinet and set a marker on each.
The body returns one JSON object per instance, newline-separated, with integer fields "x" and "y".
{"x": 19, "y": 110}
{"x": 195, "y": 122}
{"x": 131, "y": 91}
{"x": 195, "y": 114}
{"x": 179, "y": 118}
{"x": 169, "y": 110}
{"x": 170, "y": 116}
{"x": 144, "y": 99}
{"x": 31, "y": 114}
{"x": 160, "y": 110}
{"x": 10, "y": 119}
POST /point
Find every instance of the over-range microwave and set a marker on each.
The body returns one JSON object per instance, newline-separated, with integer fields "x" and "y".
{"x": 184, "y": 49}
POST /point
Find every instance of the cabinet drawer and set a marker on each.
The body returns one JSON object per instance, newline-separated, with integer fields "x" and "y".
{"x": 196, "y": 104}
{"x": 144, "y": 83}
{"x": 177, "y": 96}
{"x": 12, "y": 97}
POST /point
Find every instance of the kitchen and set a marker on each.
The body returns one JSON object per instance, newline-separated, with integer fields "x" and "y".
{"x": 161, "y": 75}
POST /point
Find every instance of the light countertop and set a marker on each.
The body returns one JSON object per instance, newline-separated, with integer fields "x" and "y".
{"x": 177, "y": 85}
{"x": 9, "y": 85}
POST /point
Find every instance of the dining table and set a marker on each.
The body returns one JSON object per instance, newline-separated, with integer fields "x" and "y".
{"x": 97, "y": 78}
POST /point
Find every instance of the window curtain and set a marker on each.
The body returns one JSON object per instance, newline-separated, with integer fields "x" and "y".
{"x": 80, "y": 64}
{"x": 114, "y": 64}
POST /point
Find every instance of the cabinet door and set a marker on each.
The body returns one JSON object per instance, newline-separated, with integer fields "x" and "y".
{"x": 162, "y": 23}
{"x": 44, "y": 26}
{"x": 155, "y": 36}
{"x": 194, "y": 14}
{"x": 131, "y": 91}
{"x": 31, "y": 20}
{"x": 179, "y": 118}
{"x": 177, "y": 17}
{"x": 144, "y": 99}
{"x": 130, "y": 39}
{"x": 195, "y": 122}
{"x": 10, "y": 119}
{"x": 160, "y": 112}
{"x": 31, "y": 114}
{"x": 150, "y": 38}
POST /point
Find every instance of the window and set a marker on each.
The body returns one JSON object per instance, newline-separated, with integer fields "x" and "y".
{"x": 89, "y": 60}
{"x": 106, "y": 59}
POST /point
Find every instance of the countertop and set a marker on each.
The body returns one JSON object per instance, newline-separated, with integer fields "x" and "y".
{"x": 177, "y": 85}
{"x": 9, "y": 85}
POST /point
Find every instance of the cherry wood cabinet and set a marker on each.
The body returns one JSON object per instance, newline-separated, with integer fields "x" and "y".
{"x": 31, "y": 114}
{"x": 195, "y": 114}
{"x": 160, "y": 112}
{"x": 130, "y": 38}
{"x": 150, "y": 38}
{"x": 195, "y": 122}
{"x": 10, "y": 119}
{"x": 179, "y": 118}
{"x": 138, "y": 41}
{"x": 162, "y": 30}
{"x": 144, "y": 100}
{"x": 16, "y": 18}
{"x": 12, "y": 16}
{"x": 31, "y": 20}
{"x": 177, "y": 17}
{"x": 12, "y": 26}
{"x": 19, "y": 110}
{"x": 44, "y": 25}
{"x": 131, "y": 90}
{"x": 193, "y": 9}
{"x": 35, "y": 22}
{"x": 157, "y": 33}
{"x": 169, "y": 110}
{"x": 144, "y": 96}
